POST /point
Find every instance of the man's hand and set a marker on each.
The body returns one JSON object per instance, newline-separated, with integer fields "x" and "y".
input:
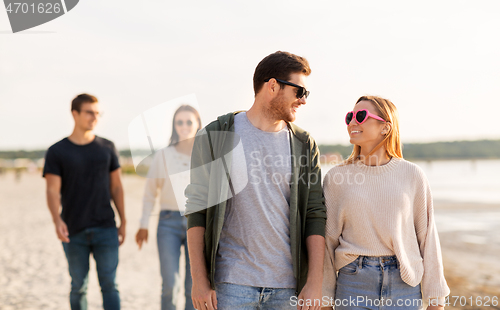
{"x": 435, "y": 308}
{"x": 121, "y": 233}
{"x": 310, "y": 296}
{"x": 141, "y": 236}
{"x": 61, "y": 230}
{"x": 203, "y": 296}
{"x": 116, "y": 190}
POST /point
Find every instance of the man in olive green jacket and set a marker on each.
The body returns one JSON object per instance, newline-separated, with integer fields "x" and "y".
{"x": 246, "y": 236}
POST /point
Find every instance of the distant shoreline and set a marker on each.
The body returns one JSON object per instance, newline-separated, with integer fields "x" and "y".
{"x": 456, "y": 150}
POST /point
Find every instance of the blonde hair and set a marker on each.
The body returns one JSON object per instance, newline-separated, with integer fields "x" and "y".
{"x": 392, "y": 142}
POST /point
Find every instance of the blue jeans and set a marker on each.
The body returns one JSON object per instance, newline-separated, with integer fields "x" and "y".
{"x": 242, "y": 297}
{"x": 171, "y": 235}
{"x": 375, "y": 283}
{"x": 103, "y": 244}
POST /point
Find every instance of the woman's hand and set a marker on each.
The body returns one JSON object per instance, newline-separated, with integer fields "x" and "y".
{"x": 141, "y": 236}
{"x": 435, "y": 308}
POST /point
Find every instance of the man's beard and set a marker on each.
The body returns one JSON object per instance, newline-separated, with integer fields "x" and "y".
{"x": 278, "y": 110}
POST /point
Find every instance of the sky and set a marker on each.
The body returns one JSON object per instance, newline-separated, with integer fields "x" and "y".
{"x": 437, "y": 61}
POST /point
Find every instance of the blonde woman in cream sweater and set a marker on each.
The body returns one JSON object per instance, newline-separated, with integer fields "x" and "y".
{"x": 380, "y": 234}
{"x": 167, "y": 177}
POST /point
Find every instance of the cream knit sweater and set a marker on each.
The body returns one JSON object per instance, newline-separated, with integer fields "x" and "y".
{"x": 379, "y": 211}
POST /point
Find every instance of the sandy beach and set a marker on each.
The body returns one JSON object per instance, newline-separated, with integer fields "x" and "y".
{"x": 470, "y": 241}
{"x": 33, "y": 269}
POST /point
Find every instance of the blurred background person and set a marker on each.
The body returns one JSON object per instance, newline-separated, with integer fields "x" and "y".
{"x": 83, "y": 174}
{"x": 172, "y": 225}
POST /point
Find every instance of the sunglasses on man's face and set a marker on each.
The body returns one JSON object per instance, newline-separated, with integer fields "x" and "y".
{"x": 301, "y": 91}
{"x": 181, "y": 122}
{"x": 361, "y": 116}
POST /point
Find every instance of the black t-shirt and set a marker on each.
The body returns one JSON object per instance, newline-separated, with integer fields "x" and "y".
{"x": 84, "y": 172}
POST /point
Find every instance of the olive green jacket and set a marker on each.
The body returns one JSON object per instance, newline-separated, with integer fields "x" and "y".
{"x": 210, "y": 187}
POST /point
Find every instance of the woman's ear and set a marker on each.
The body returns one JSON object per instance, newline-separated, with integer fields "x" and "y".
{"x": 387, "y": 128}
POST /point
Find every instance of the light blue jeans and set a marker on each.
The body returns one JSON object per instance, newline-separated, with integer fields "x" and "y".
{"x": 171, "y": 235}
{"x": 375, "y": 283}
{"x": 242, "y": 297}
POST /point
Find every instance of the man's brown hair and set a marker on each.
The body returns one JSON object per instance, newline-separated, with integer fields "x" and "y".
{"x": 279, "y": 65}
{"x": 76, "y": 104}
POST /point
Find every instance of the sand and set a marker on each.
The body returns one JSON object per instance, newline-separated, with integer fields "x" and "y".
{"x": 33, "y": 268}
{"x": 470, "y": 240}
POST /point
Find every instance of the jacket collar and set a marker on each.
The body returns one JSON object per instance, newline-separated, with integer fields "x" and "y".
{"x": 228, "y": 120}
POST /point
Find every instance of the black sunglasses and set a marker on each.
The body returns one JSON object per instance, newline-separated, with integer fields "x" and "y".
{"x": 181, "y": 122}
{"x": 301, "y": 91}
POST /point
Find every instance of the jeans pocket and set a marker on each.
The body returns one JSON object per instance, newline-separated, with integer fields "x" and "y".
{"x": 350, "y": 269}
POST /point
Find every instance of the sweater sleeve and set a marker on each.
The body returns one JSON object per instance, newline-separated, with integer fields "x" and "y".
{"x": 153, "y": 183}
{"x": 148, "y": 201}
{"x": 332, "y": 234}
{"x": 433, "y": 282}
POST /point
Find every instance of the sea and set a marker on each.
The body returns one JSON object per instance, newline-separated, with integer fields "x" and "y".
{"x": 464, "y": 181}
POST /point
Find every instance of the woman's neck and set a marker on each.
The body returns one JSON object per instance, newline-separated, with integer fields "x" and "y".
{"x": 378, "y": 158}
{"x": 185, "y": 146}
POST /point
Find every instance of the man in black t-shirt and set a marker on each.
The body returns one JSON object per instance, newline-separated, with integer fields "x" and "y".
{"x": 82, "y": 173}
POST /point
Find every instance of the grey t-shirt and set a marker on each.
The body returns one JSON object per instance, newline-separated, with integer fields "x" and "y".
{"x": 254, "y": 247}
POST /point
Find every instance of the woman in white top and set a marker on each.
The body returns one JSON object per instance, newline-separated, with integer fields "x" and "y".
{"x": 169, "y": 173}
{"x": 380, "y": 233}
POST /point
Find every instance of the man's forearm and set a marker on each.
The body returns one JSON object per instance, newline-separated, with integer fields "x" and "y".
{"x": 117, "y": 195}
{"x": 54, "y": 204}
{"x": 196, "y": 246}
{"x": 315, "y": 253}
